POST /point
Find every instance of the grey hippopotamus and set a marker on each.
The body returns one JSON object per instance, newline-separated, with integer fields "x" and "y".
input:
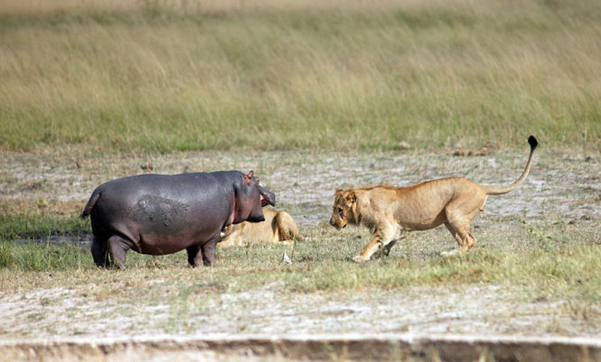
{"x": 163, "y": 214}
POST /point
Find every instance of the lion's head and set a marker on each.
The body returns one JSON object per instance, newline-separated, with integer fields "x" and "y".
{"x": 344, "y": 206}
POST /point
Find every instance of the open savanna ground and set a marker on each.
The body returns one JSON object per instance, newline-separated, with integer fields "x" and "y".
{"x": 534, "y": 271}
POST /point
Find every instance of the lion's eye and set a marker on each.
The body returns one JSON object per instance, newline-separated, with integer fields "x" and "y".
{"x": 340, "y": 211}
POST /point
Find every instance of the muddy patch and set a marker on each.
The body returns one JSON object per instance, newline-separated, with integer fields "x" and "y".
{"x": 80, "y": 238}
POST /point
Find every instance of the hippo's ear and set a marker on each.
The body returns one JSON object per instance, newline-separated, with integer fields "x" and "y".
{"x": 248, "y": 178}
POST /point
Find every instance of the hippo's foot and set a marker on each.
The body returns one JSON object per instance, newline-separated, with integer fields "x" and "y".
{"x": 194, "y": 255}
{"x": 208, "y": 252}
{"x": 202, "y": 254}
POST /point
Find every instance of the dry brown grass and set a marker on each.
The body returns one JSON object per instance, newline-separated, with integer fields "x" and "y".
{"x": 192, "y": 75}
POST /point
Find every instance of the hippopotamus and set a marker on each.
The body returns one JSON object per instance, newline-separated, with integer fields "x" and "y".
{"x": 163, "y": 214}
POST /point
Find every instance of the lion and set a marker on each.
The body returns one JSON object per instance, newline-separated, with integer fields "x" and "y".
{"x": 278, "y": 227}
{"x": 387, "y": 210}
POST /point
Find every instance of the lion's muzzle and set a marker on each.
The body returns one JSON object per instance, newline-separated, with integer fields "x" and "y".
{"x": 336, "y": 225}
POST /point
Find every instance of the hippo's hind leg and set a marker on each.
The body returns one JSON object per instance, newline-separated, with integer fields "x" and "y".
{"x": 194, "y": 255}
{"x": 118, "y": 246}
{"x": 100, "y": 252}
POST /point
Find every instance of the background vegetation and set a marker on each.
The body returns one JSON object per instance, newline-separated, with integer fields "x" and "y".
{"x": 168, "y": 75}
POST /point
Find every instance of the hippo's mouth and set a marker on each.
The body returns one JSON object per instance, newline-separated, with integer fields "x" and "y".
{"x": 263, "y": 201}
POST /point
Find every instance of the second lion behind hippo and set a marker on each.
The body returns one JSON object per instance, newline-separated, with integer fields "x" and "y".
{"x": 278, "y": 227}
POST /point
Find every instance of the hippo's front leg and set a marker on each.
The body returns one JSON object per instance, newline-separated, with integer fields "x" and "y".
{"x": 194, "y": 255}
{"x": 208, "y": 250}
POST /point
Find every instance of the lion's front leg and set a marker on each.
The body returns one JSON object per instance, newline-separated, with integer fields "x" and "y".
{"x": 385, "y": 236}
{"x": 369, "y": 249}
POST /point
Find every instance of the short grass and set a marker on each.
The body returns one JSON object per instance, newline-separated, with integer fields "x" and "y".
{"x": 547, "y": 246}
{"x": 551, "y": 261}
{"x": 194, "y": 75}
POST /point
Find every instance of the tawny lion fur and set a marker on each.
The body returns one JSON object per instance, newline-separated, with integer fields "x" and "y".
{"x": 387, "y": 210}
{"x": 278, "y": 227}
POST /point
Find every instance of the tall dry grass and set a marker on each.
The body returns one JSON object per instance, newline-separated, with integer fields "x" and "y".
{"x": 187, "y": 75}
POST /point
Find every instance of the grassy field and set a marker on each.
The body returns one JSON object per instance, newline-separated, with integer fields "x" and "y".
{"x": 276, "y": 75}
{"x": 541, "y": 259}
{"x": 541, "y": 242}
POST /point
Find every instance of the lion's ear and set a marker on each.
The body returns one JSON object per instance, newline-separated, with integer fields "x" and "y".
{"x": 338, "y": 191}
{"x": 351, "y": 197}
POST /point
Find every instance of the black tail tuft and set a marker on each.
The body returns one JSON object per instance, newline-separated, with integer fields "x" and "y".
{"x": 533, "y": 142}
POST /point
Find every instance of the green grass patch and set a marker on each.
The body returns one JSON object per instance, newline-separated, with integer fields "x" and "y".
{"x": 43, "y": 257}
{"x": 38, "y": 224}
{"x": 538, "y": 266}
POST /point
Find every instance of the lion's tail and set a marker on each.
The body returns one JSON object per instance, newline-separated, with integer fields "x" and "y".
{"x": 505, "y": 189}
{"x": 90, "y": 205}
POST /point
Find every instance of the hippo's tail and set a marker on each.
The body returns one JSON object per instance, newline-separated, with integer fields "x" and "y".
{"x": 90, "y": 205}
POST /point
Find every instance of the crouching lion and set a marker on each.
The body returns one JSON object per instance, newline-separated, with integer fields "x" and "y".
{"x": 387, "y": 210}
{"x": 278, "y": 226}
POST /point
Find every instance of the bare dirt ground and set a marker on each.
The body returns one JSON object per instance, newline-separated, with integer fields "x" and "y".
{"x": 559, "y": 187}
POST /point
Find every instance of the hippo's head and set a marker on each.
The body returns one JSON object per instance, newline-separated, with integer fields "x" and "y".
{"x": 250, "y": 199}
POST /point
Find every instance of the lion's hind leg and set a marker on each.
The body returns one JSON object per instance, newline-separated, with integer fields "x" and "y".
{"x": 455, "y": 234}
{"x": 462, "y": 234}
{"x": 460, "y": 228}
{"x": 459, "y": 214}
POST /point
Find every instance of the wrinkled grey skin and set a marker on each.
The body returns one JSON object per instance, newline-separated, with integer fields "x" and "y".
{"x": 163, "y": 214}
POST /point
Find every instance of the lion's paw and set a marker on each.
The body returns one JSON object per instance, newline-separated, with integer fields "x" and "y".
{"x": 359, "y": 259}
